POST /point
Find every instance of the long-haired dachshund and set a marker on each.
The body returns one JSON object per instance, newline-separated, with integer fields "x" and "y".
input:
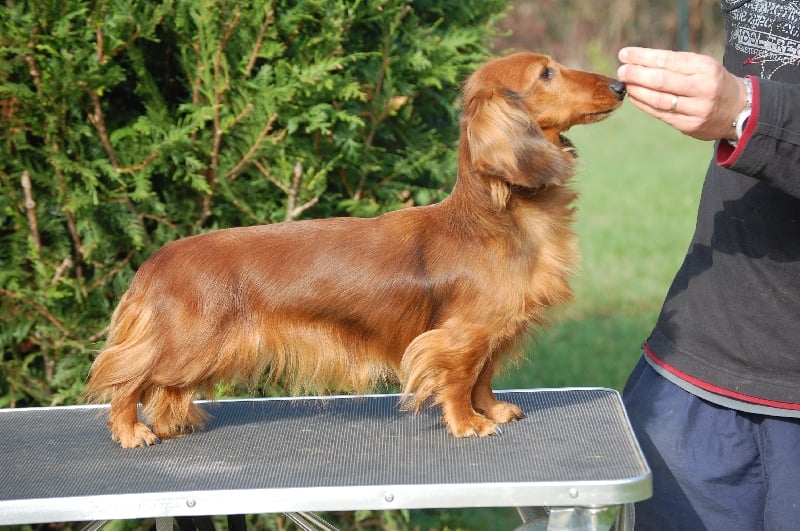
{"x": 432, "y": 296}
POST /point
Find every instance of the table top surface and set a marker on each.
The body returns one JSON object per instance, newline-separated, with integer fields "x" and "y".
{"x": 574, "y": 448}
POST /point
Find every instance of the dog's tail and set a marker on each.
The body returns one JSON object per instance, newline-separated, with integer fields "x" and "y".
{"x": 129, "y": 353}
{"x": 130, "y": 370}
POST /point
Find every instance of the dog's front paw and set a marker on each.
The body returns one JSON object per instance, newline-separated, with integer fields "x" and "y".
{"x": 475, "y": 425}
{"x": 139, "y": 435}
{"x": 502, "y": 412}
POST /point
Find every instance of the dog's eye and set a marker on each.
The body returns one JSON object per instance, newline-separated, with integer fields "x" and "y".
{"x": 547, "y": 73}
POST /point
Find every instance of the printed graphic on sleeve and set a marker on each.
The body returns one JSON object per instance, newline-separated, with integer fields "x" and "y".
{"x": 768, "y": 32}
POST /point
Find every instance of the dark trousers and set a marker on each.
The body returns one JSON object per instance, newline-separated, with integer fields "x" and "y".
{"x": 713, "y": 468}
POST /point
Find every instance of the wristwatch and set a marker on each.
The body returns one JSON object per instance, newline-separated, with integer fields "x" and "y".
{"x": 741, "y": 118}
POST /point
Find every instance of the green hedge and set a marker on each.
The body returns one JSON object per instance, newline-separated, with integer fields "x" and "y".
{"x": 127, "y": 124}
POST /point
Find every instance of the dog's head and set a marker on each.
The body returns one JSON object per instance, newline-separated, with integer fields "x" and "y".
{"x": 515, "y": 112}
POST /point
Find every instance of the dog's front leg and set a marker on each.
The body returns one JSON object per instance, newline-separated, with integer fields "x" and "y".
{"x": 444, "y": 364}
{"x": 484, "y": 401}
{"x": 460, "y": 417}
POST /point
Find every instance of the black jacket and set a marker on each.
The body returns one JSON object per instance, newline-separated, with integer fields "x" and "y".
{"x": 729, "y": 329}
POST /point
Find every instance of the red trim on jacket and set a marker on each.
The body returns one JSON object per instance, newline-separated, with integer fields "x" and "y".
{"x": 718, "y": 390}
{"x": 726, "y": 153}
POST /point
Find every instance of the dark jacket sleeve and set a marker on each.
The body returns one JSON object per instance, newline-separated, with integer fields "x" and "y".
{"x": 770, "y": 146}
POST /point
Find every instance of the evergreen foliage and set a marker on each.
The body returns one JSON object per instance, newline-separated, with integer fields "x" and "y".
{"x": 126, "y": 124}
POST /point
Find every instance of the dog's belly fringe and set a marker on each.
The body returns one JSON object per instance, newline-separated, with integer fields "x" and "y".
{"x": 306, "y": 358}
{"x": 309, "y": 358}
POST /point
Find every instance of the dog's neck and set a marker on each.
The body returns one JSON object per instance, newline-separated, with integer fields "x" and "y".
{"x": 473, "y": 198}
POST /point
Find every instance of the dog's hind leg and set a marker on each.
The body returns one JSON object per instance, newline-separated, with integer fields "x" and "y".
{"x": 172, "y": 412}
{"x": 124, "y": 422}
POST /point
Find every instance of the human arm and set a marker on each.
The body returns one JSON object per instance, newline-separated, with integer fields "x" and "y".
{"x": 709, "y": 99}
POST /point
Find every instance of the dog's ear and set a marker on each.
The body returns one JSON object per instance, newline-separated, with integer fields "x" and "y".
{"x": 507, "y": 147}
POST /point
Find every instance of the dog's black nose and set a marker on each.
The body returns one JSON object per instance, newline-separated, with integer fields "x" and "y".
{"x": 618, "y": 88}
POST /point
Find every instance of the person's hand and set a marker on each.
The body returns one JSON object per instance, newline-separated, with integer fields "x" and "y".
{"x": 693, "y": 93}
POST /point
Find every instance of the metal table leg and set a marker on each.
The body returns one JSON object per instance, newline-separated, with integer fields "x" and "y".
{"x": 603, "y": 518}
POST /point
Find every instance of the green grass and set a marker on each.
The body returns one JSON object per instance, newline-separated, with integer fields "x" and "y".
{"x": 639, "y": 184}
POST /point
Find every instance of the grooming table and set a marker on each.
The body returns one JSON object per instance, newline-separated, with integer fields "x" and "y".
{"x": 574, "y": 454}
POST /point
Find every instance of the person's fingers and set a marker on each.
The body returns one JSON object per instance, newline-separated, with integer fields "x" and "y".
{"x": 691, "y": 92}
{"x": 681, "y": 73}
{"x": 664, "y": 101}
{"x": 685, "y": 123}
{"x": 656, "y": 79}
{"x": 680, "y": 62}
